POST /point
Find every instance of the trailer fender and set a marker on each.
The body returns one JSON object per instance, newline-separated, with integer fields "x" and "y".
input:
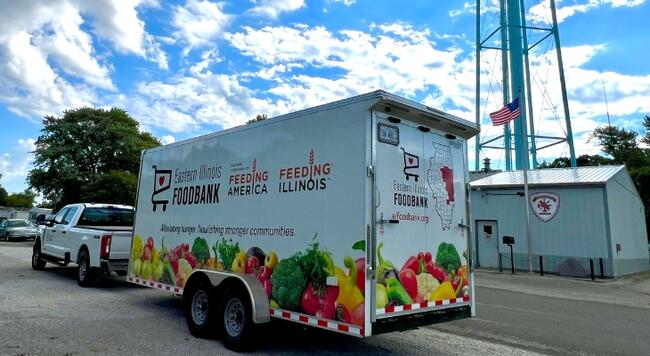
{"x": 259, "y": 300}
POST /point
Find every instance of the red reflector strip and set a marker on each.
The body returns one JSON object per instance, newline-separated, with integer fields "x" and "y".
{"x": 155, "y": 285}
{"x": 354, "y": 330}
{"x": 423, "y": 305}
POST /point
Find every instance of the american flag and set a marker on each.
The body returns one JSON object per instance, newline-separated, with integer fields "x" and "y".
{"x": 506, "y": 114}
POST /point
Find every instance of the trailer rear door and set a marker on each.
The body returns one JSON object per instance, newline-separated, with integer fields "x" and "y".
{"x": 420, "y": 211}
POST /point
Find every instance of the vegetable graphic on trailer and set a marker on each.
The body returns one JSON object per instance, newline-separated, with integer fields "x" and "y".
{"x": 411, "y": 161}
{"x": 162, "y": 182}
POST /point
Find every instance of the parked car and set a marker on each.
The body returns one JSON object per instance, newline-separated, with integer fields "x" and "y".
{"x": 13, "y": 229}
{"x": 97, "y": 237}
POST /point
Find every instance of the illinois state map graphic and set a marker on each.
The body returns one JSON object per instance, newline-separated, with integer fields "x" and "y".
{"x": 440, "y": 178}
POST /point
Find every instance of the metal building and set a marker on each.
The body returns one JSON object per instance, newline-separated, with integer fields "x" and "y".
{"x": 580, "y": 217}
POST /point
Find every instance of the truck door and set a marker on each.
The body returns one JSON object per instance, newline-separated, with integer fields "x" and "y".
{"x": 420, "y": 211}
{"x": 65, "y": 240}
{"x": 51, "y": 244}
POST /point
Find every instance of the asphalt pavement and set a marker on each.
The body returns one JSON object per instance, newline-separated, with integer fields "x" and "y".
{"x": 47, "y": 313}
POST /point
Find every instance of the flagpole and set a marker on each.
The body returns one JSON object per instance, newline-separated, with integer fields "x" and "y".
{"x": 524, "y": 149}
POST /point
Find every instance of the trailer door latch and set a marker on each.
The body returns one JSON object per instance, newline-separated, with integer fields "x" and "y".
{"x": 383, "y": 221}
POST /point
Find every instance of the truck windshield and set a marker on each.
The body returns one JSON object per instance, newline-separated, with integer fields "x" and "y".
{"x": 106, "y": 217}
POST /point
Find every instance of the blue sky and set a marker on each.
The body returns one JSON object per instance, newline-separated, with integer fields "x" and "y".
{"x": 184, "y": 68}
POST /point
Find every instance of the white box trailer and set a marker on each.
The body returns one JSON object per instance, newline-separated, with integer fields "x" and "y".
{"x": 350, "y": 216}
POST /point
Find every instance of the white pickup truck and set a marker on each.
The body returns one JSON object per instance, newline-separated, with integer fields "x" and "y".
{"x": 97, "y": 237}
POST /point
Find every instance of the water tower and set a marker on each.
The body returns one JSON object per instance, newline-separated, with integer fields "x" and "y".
{"x": 513, "y": 39}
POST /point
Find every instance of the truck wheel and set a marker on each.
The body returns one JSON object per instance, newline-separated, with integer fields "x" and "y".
{"x": 236, "y": 319}
{"x": 200, "y": 306}
{"x": 38, "y": 264}
{"x": 86, "y": 275}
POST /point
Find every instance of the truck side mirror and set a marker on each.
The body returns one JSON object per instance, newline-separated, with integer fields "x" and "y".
{"x": 508, "y": 240}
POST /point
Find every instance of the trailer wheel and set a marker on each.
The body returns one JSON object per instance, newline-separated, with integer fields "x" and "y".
{"x": 38, "y": 264}
{"x": 200, "y": 305}
{"x": 86, "y": 275}
{"x": 237, "y": 327}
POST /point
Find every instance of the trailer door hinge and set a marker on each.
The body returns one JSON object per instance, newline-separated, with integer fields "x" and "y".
{"x": 370, "y": 171}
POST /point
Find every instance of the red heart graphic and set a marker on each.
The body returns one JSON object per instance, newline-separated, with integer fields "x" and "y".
{"x": 161, "y": 180}
{"x": 410, "y": 161}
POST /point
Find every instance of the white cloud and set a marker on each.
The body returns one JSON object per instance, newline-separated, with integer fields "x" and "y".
{"x": 345, "y": 2}
{"x": 118, "y": 22}
{"x": 197, "y": 101}
{"x": 48, "y": 61}
{"x": 397, "y": 57}
{"x": 31, "y": 88}
{"x": 470, "y": 8}
{"x": 198, "y": 23}
{"x": 167, "y": 139}
{"x": 541, "y": 13}
{"x": 207, "y": 59}
{"x": 72, "y": 48}
{"x": 15, "y": 165}
{"x": 273, "y": 8}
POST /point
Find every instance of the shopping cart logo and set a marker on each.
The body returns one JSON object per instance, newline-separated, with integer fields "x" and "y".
{"x": 411, "y": 165}
{"x": 162, "y": 182}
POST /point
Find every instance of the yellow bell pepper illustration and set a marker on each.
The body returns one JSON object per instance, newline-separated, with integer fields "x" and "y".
{"x": 349, "y": 294}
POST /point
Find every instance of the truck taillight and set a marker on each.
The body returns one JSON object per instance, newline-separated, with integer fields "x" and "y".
{"x": 105, "y": 249}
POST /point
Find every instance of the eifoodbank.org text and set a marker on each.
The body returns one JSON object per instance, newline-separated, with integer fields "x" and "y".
{"x": 410, "y": 217}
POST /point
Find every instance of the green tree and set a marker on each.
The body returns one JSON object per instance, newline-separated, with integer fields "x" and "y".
{"x": 259, "y": 117}
{"x": 21, "y": 200}
{"x": 581, "y": 161}
{"x": 114, "y": 186}
{"x": 646, "y": 125}
{"x": 621, "y": 144}
{"x": 3, "y": 194}
{"x": 89, "y": 155}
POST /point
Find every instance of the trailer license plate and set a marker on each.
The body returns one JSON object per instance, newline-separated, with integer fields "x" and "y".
{"x": 388, "y": 134}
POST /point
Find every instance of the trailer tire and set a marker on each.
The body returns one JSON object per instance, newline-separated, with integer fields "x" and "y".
{"x": 200, "y": 305}
{"x": 237, "y": 327}
{"x": 38, "y": 264}
{"x": 86, "y": 275}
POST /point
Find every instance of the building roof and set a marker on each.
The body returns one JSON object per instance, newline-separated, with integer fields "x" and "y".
{"x": 476, "y": 175}
{"x": 596, "y": 175}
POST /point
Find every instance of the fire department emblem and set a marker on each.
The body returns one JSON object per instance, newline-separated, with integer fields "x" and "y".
{"x": 545, "y": 205}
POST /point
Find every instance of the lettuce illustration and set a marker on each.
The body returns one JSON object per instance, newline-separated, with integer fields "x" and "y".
{"x": 447, "y": 257}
